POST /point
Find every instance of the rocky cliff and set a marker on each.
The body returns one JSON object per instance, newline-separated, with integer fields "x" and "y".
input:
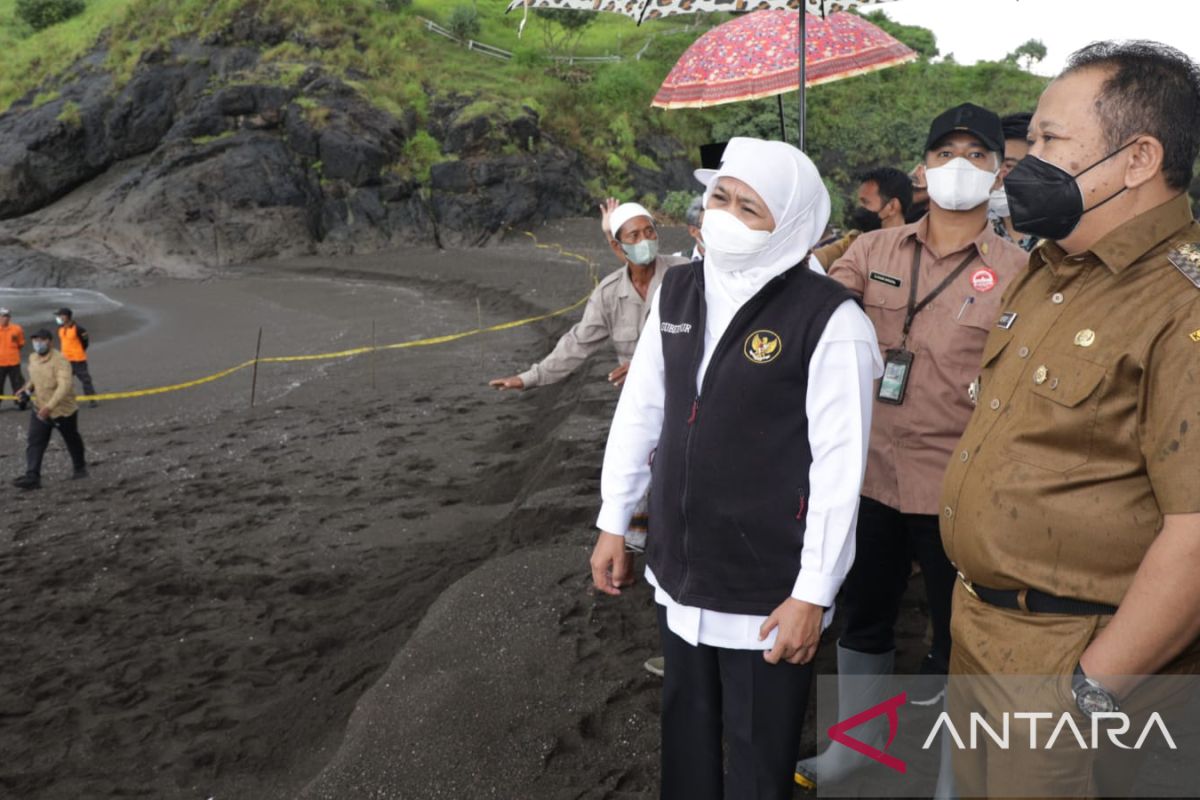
{"x": 208, "y": 157}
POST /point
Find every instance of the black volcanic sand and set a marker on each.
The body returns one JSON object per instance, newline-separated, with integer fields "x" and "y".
{"x": 350, "y": 590}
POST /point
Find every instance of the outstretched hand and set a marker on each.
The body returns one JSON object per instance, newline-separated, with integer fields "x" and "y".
{"x": 504, "y": 384}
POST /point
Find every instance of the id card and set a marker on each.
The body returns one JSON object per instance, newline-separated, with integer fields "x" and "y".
{"x": 896, "y": 366}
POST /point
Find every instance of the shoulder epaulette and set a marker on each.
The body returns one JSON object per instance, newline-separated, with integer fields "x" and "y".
{"x": 1186, "y": 258}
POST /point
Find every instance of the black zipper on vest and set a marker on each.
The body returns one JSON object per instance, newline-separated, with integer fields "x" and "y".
{"x": 748, "y": 309}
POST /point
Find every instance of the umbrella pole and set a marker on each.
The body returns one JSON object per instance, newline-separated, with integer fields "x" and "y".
{"x": 782, "y": 129}
{"x": 803, "y": 58}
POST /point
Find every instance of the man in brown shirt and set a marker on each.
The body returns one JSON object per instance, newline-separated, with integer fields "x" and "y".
{"x": 932, "y": 289}
{"x": 1071, "y": 507}
{"x": 51, "y": 383}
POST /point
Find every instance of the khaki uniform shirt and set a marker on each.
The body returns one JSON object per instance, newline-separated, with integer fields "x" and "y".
{"x": 615, "y": 312}
{"x": 53, "y": 383}
{"x": 911, "y": 443}
{"x": 1087, "y": 429}
{"x": 834, "y": 250}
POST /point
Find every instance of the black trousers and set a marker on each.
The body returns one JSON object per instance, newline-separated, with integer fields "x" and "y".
{"x": 80, "y": 370}
{"x": 712, "y": 694}
{"x": 39, "y": 438}
{"x": 15, "y": 379}
{"x": 886, "y": 543}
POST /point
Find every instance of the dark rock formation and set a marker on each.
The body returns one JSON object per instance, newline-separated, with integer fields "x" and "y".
{"x": 188, "y": 165}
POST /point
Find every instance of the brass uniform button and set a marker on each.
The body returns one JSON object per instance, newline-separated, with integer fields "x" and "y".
{"x": 1039, "y": 375}
{"x": 1085, "y": 337}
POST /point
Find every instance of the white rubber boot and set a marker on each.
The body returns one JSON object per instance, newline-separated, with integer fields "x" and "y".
{"x": 838, "y": 761}
{"x": 945, "y": 789}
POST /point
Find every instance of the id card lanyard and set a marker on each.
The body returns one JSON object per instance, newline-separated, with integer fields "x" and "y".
{"x": 897, "y": 363}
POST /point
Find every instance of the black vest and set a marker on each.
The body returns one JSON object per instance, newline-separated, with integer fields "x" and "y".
{"x": 730, "y": 474}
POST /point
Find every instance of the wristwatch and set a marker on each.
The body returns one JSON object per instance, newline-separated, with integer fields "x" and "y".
{"x": 1090, "y": 696}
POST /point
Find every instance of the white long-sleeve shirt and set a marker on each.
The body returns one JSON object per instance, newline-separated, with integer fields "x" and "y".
{"x": 841, "y": 379}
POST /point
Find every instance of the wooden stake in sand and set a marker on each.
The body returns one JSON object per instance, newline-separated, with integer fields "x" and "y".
{"x": 254, "y": 375}
{"x": 479, "y": 316}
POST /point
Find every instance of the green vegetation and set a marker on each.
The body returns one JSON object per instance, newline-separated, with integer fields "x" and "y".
{"x": 381, "y": 48}
{"x": 464, "y": 22}
{"x": 39, "y": 14}
{"x": 219, "y": 137}
{"x": 70, "y": 114}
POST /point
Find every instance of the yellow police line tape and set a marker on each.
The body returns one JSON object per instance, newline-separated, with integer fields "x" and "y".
{"x": 358, "y": 351}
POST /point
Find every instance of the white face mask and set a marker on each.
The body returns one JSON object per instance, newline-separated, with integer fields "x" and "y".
{"x": 729, "y": 244}
{"x": 59, "y": 320}
{"x": 958, "y": 185}
{"x": 998, "y": 203}
{"x": 642, "y": 253}
{"x": 41, "y": 347}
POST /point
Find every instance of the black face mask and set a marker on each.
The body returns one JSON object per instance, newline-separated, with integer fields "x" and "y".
{"x": 865, "y": 220}
{"x": 1045, "y": 200}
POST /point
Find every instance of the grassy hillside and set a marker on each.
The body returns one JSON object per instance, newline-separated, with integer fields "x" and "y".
{"x": 600, "y": 110}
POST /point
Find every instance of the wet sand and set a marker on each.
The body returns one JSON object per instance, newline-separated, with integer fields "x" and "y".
{"x": 349, "y": 590}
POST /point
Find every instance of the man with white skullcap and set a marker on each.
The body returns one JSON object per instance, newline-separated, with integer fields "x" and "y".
{"x": 617, "y": 308}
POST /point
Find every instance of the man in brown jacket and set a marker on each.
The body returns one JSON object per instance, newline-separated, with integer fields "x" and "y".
{"x": 52, "y": 385}
{"x": 1070, "y": 507}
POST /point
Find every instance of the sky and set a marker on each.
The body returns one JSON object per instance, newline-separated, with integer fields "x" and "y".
{"x": 975, "y": 30}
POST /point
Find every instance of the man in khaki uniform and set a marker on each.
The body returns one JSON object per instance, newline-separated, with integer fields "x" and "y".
{"x": 932, "y": 289}
{"x": 1072, "y": 506}
{"x": 52, "y": 384}
{"x": 617, "y": 308}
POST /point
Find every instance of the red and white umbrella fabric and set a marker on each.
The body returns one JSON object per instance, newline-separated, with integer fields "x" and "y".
{"x": 642, "y": 10}
{"x": 757, "y": 55}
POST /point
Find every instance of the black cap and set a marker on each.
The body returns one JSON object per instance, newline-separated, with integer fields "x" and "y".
{"x": 969, "y": 118}
{"x": 41, "y": 333}
{"x": 64, "y": 311}
{"x": 711, "y": 154}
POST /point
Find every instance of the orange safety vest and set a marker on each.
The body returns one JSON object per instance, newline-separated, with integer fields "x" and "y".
{"x": 70, "y": 344}
{"x": 12, "y": 339}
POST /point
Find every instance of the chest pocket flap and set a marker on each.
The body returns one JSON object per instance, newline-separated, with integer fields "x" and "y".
{"x": 1055, "y": 428}
{"x": 1069, "y": 381}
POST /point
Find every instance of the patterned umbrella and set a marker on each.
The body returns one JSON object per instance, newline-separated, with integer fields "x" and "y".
{"x": 642, "y": 10}
{"x": 755, "y": 56}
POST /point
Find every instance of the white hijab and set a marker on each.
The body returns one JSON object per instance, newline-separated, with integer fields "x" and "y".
{"x": 791, "y": 186}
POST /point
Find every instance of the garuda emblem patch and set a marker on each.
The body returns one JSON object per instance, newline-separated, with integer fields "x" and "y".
{"x": 763, "y": 347}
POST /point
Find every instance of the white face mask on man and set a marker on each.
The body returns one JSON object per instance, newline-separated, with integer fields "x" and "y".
{"x": 958, "y": 185}
{"x": 998, "y": 203}
{"x": 729, "y": 244}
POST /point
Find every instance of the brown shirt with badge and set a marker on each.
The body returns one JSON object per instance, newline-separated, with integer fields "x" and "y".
{"x": 1087, "y": 429}
{"x": 911, "y": 442}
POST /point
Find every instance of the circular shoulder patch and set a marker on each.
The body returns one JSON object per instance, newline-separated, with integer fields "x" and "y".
{"x": 763, "y": 347}
{"x": 983, "y": 279}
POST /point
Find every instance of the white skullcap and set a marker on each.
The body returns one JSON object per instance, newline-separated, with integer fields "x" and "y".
{"x": 625, "y": 212}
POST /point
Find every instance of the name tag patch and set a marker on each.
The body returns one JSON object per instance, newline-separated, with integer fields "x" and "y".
{"x": 1006, "y": 320}
{"x": 670, "y": 327}
{"x": 882, "y": 277}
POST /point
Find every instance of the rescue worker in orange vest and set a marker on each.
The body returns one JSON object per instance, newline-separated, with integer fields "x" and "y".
{"x": 12, "y": 339}
{"x": 73, "y": 343}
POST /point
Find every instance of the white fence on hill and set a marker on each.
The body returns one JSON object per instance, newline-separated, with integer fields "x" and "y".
{"x": 505, "y": 55}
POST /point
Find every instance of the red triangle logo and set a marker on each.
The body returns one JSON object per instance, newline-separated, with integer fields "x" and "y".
{"x": 838, "y": 732}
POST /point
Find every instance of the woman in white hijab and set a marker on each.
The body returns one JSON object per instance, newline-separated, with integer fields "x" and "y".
{"x": 749, "y": 398}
